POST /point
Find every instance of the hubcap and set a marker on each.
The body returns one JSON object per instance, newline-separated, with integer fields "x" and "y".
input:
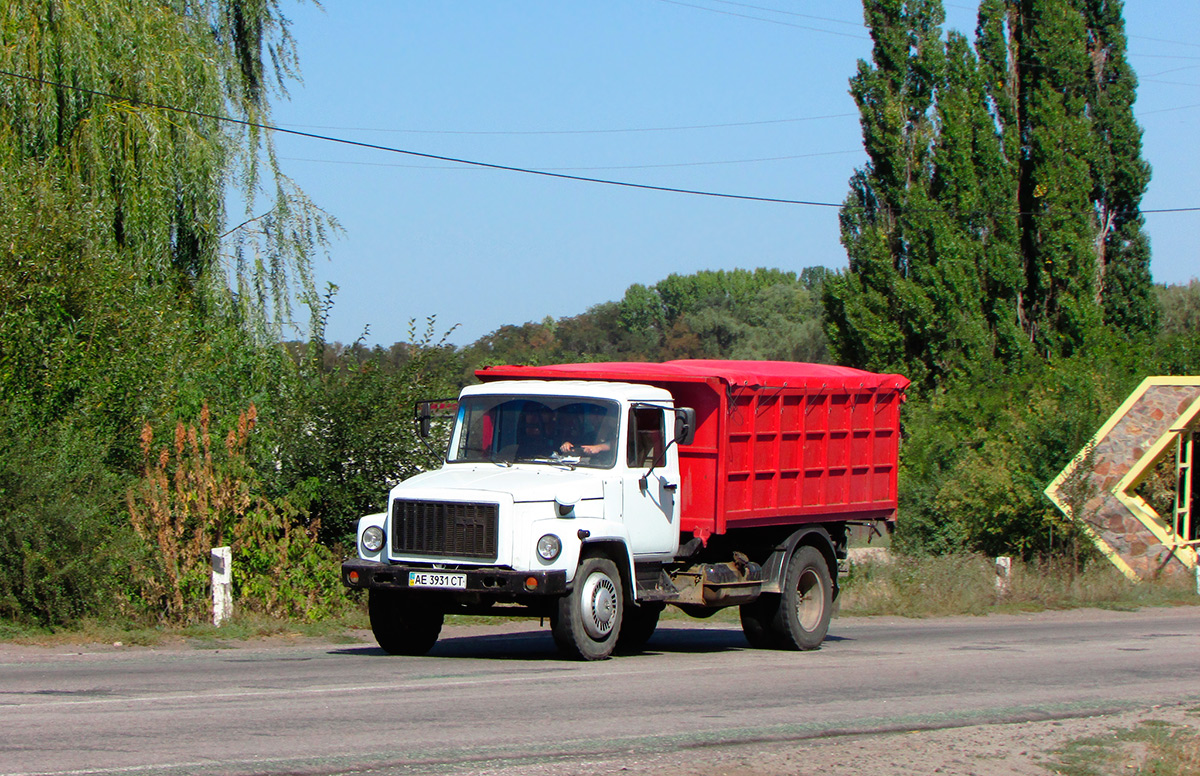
{"x": 599, "y": 605}
{"x": 811, "y": 600}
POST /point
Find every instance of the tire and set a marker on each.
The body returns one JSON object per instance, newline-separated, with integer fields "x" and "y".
{"x": 586, "y": 622}
{"x": 637, "y": 627}
{"x": 806, "y": 605}
{"x": 756, "y": 620}
{"x": 403, "y": 625}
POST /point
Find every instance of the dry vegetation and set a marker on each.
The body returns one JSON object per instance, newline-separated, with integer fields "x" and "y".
{"x": 967, "y": 584}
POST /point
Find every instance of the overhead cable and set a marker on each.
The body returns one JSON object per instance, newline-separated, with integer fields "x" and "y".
{"x": 484, "y": 165}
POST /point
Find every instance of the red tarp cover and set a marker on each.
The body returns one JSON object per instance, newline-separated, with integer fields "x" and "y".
{"x": 758, "y": 373}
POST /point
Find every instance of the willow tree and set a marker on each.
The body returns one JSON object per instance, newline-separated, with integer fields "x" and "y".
{"x": 124, "y": 125}
{"x": 997, "y": 216}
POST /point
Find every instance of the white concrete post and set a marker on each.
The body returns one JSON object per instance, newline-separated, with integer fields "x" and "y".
{"x": 222, "y": 585}
{"x": 1003, "y": 574}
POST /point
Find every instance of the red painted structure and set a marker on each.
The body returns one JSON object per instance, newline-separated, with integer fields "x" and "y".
{"x": 777, "y": 442}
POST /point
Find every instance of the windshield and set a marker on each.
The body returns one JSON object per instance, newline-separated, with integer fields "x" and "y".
{"x": 543, "y": 429}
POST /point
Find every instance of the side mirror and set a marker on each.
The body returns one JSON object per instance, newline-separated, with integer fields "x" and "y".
{"x": 685, "y": 426}
{"x": 426, "y": 411}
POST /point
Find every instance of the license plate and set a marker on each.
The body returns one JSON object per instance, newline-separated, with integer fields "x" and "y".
{"x": 435, "y": 579}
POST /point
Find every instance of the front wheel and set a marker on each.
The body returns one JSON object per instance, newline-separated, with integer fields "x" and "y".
{"x": 586, "y": 622}
{"x": 403, "y": 625}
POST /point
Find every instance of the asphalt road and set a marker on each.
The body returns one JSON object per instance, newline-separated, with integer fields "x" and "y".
{"x": 496, "y": 696}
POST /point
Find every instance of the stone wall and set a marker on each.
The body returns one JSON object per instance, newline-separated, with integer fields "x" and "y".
{"x": 1147, "y": 422}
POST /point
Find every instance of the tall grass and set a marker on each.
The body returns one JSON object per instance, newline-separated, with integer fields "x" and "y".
{"x": 931, "y": 586}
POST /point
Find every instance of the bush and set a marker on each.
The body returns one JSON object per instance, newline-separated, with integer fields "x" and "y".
{"x": 62, "y": 541}
{"x": 977, "y": 457}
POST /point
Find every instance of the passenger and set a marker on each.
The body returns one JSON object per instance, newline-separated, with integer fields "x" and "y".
{"x": 537, "y": 424}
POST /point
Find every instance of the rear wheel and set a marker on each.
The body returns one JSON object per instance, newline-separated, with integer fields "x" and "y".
{"x": 586, "y": 622}
{"x": 802, "y": 619}
{"x": 403, "y": 625}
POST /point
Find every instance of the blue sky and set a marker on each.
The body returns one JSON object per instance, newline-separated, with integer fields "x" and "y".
{"x": 741, "y": 98}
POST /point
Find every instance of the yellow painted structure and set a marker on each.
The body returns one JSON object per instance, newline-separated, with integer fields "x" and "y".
{"x": 1096, "y": 489}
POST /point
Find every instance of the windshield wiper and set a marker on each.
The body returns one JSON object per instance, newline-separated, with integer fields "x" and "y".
{"x": 555, "y": 460}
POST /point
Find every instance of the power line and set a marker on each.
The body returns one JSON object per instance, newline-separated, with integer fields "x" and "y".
{"x": 617, "y": 167}
{"x": 490, "y": 165}
{"x": 1167, "y": 110}
{"x": 768, "y": 21}
{"x": 1163, "y": 40}
{"x": 419, "y": 154}
{"x": 857, "y": 24}
{"x": 627, "y": 130}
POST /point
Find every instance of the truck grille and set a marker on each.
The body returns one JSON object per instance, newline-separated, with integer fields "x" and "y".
{"x": 445, "y": 529}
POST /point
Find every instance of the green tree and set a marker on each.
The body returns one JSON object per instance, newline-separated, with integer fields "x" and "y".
{"x": 116, "y": 304}
{"x": 1180, "y": 306}
{"x": 998, "y": 213}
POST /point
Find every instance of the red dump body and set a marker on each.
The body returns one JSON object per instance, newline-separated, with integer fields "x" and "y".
{"x": 777, "y": 442}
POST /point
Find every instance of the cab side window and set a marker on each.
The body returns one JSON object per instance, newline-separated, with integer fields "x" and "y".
{"x": 645, "y": 437}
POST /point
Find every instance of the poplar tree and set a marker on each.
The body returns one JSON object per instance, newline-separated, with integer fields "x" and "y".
{"x": 997, "y": 215}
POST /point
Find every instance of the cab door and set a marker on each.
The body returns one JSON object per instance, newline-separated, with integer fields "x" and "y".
{"x": 651, "y": 483}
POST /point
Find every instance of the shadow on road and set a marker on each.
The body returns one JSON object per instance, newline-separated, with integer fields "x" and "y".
{"x": 538, "y": 644}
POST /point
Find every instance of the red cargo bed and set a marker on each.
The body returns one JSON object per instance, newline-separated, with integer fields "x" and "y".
{"x": 777, "y": 442}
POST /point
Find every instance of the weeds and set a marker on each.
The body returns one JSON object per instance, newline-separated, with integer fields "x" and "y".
{"x": 966, "y": 584}
{"x": 1153, "y": 748}
{"x": 192, "y": 498}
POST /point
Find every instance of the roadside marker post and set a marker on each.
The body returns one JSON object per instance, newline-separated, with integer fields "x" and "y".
{"x": 1003, "y": 574}
{"x": 222, "y": 585}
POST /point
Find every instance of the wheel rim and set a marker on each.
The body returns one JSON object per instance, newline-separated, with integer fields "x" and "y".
{"x": 810, "y": 603}
{"x": 598, "y": 605}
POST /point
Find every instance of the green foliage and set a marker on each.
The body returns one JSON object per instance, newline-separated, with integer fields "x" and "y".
{"x": 195, "y": 495}
{"x": 60, "y": 551}
{"x": 998, "y": 213}
{"x": 977, "y": 456}
{"x": 764, "y": 314}
{"x": 115, "y": 264}
{"x": 345, "y": 433}
{"x": 1180, "y": 306}
{"x": 739, "y": 314}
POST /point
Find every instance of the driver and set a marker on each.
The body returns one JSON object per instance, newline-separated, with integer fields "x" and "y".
{"x": 597, "y": 434}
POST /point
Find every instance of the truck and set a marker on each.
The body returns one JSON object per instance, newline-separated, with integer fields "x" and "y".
{"x": 596, "y": 494}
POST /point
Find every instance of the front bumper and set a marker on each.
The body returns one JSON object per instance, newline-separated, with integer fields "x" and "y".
{"x": 368, "y": 574}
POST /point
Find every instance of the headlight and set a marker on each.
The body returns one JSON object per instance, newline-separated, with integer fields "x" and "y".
{"x": 549, "y": 546}
{"x": 372, "y": 539}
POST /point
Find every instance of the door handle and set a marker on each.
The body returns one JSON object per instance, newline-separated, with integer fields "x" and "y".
{"x": 670, "y": 485}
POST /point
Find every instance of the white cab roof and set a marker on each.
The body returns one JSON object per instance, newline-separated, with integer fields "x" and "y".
{"x": 623, "y": 392}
